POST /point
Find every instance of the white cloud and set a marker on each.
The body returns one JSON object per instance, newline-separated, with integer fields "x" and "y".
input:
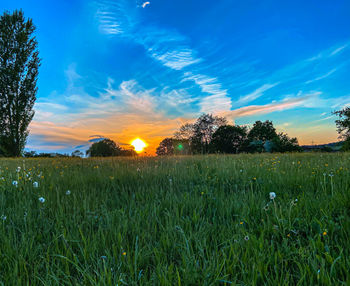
{"x": 322, "y": 76}
{"x": 338, "y": 50}
{"x": 256, "y": 93}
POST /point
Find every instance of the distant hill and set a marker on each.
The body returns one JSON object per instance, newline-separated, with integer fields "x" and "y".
{"x": 330, "y": 147}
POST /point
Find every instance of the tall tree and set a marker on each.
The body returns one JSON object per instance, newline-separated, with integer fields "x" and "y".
{"x": 343, "y": 126}
{"x": 203, "y": 130}
{"x": 19, "y": 64}
{"x": 343, "y": 123}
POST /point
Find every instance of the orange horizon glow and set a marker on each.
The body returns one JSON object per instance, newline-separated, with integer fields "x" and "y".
{"x": 139, "y": 145}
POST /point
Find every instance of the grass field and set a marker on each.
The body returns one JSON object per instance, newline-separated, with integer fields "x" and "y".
{"x": 205, "y": 220}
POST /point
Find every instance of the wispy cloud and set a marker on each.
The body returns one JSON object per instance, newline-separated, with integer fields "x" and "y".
{"x": 271, "y": 107}
{"x": 322, "y": 76}
{"x": 338, "y": 50}
{"x": 173, "y": 51}
{"x": 255, "y": 94}
{"x": 217, "y": 100}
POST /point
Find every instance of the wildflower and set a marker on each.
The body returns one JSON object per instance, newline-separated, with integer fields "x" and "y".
{"x": 272, "y": 195}
{"x": 15, "y": 183}
{"x": 124, "y": 253}
{"x": 246, "y": 238}
{"x": 241, "y": 222}
{"x": 288, "y": 234}
{"x": 42, "y": 200}
{"x": 18, "y": 169}
{"x": 324, "y": 233}
{"x": 68, "y": 192}
{"x": 103, "y": 257}
{"x": 202, "y": 193}
{"x": 35, "y": 184}
{"x": 254, "y": 179}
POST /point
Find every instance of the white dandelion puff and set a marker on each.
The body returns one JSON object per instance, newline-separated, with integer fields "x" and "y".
{"x": 42, "y": 200}
{"x": 35, "y": 184}
{"x": 68, "y": 192}
{"x": 272, "y": 195}
{"x": 15, "y": 183}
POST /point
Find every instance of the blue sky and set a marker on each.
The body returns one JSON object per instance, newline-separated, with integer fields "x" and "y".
{"x": 125, "y": 68}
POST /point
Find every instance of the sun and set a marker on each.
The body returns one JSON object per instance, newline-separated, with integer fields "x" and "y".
{"x": 138, "y": 144}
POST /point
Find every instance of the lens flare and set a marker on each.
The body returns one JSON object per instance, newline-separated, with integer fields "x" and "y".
{"x": 138, "y": 144}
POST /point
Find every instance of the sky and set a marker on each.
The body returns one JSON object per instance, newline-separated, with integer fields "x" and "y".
{"x": 124, "y": 69}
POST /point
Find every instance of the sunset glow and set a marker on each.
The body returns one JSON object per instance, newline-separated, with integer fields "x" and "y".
{"x": 145, "y": 65}
{"x": 138, "y": 144}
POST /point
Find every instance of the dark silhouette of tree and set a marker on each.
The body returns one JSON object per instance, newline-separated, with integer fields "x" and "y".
{"x": 166, "y": 147}
{"x": 127, "y": 153}
{"x": 173, "y": 146}
{"x": 228, "y": 139}
{"x": 283, "y": 143}
{"x": 262, "y": 131}
{"x": 77, "y": 153}
{"x": 343, "y": 123}
{"x": 19, "y": 64}
{"x": 343, "y": 126}
{"x": 185, "y": 132}
{"x": 203, "y": 130}
{"x": 104, "y": 148}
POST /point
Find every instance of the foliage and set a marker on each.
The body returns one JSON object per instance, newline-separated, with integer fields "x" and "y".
{"x": 187, "y": 220}
{"x": 262, "y": 131}
{"x": 203, "y": 130}
{"x": 77, "y": 153}
{"x": 19, "y": 64}
{"x": 228, "y": 139}
{"x": 283, "y": 143}
{"x": 166, "y": 147}
{"x": 104, "y": 148}
{"x": 343, "y": 123}
{"x": 346, "y": 145}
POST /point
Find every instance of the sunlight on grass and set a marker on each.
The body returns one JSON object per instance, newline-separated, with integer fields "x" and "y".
{"x": 206, "y": 220}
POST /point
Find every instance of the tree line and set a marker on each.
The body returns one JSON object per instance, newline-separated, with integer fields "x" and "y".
{"x": 213, "y": 134}
{"x": 19, "y": 70}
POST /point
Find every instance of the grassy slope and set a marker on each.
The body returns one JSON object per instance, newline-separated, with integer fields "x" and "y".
{"x": 176, "y": 221}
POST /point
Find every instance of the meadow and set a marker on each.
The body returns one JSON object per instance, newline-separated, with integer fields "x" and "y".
{"x": 196, "y": 220}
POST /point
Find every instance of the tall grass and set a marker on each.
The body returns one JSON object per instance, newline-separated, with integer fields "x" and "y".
{"x": 205, "y": 220}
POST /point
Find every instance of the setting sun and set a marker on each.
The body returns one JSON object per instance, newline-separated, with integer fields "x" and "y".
{"x": 138, "y": 144}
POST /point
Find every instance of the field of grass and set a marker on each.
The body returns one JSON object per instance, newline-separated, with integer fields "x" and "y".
{"x": 205, "y": 220}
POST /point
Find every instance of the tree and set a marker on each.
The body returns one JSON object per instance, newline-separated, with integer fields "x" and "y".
{"x": 19, "y": 64}
{"x": 203, "y": 130}
{"x": 262, "y": 131}
{"x": 173, "y": 146}
{"x": 283, "y": 143}
{"x": 166, "y": 147}
{"x": 228, "y": 139}
{"x": 185, "y": 132}
{"x": 343, "y": 126}
{"x": 77, "y": 153}
{"x": 260, "y": 137}
{"x": 104, "y": 148}
{"x": 343, "y": 123}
